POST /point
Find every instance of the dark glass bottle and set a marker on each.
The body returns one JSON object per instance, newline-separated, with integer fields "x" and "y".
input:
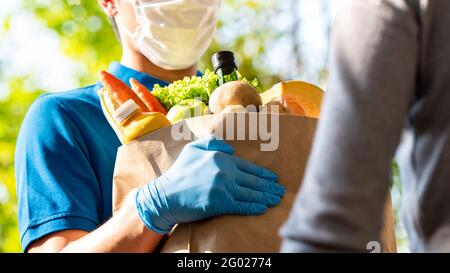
{"x": 225, "y": 67}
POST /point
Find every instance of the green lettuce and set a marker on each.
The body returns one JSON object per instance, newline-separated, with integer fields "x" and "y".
{"x": 191, "y": 88}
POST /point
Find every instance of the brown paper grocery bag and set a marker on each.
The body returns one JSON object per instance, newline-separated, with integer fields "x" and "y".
{"x": 150, "y": 156}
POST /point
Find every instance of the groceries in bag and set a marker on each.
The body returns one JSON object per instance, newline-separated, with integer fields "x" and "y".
{"x": 187, "y": 109}
{"x": 300, "y": 98}
{"x": 225, "y": 67}
{"x": 234, "y": 93}
{"x": 134, "y": 112}
{"x": 130, "y": 112}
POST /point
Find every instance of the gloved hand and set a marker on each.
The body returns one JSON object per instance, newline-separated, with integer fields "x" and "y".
{"x": 206, "y": 180}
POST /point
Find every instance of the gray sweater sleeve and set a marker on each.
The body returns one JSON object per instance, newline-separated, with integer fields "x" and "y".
{"x": 374, "y": 60}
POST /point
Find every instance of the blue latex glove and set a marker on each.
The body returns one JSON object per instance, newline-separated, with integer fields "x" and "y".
{"x": 206, "y": 180}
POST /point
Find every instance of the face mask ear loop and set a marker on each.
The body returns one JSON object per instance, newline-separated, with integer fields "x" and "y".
{"x": 123, "y": 29}
{"x": 127, "y": 32}
{"x": 138, "y": 8}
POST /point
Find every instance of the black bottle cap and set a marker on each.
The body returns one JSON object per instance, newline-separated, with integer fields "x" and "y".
{"x": 223, "y": 59}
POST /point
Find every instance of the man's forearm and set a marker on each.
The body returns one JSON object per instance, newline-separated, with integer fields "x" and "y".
{"x": 124, "y": 232}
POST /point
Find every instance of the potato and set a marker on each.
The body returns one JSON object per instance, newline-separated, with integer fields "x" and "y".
{"x": 234, "y": 93}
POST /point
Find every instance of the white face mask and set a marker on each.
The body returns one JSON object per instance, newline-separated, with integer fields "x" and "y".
{"x": 174, "y": 34}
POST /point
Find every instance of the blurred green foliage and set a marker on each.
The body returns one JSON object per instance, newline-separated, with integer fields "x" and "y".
{"x": 251, "y": 44}
{"x": 84, "y": 32}
{"x": 12, "y": 112}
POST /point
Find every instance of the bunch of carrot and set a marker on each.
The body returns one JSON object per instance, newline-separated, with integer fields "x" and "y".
{"x": 121, "y": 92}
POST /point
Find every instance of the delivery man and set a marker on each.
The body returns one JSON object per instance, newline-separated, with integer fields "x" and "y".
{"x": 389, "y": 74}
{"x": 66, "y": 149}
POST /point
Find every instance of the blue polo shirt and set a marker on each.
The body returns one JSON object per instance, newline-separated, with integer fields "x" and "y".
{"x": 64, "y": 161}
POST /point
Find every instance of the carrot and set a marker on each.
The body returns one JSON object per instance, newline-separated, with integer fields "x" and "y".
{"x": 146, "y": 96}
{"x": 119, "y": 90}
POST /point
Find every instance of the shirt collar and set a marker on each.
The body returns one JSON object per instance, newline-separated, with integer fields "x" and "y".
{"x": 125, "y": 73}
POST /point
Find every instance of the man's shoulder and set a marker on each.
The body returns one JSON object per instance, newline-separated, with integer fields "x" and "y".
{"x": 70, "y": 98}
{"x": 65, "y": 103}
{"x": 62, "y": 111}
